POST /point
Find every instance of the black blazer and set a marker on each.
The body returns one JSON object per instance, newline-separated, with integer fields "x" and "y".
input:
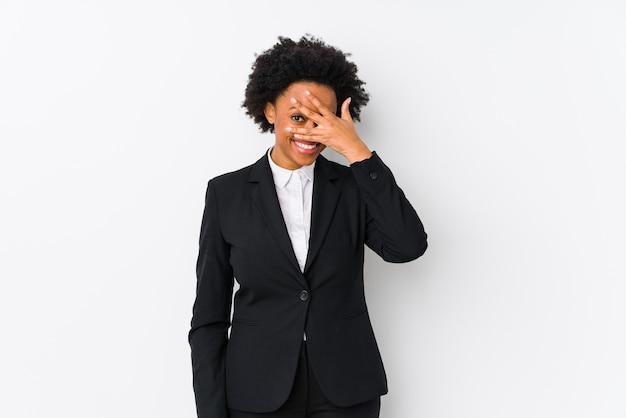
{"x": 243, "y": 236}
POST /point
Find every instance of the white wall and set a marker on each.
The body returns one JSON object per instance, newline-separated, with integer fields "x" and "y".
{"x": 504, "y": 124}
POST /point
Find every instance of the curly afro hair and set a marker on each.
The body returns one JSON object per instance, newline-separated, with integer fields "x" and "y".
{"x": 309, "y": 59}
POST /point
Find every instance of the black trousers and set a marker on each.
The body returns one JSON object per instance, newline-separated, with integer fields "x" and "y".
{"x": 308, "y": 401}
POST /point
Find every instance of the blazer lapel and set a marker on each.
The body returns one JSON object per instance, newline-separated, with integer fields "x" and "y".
{"x": 264, "y": 196}
{"x": 325, "y": 198}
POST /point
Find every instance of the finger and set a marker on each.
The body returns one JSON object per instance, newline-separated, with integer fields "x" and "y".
{"x": 304, "y": 133}
{"x": 307, "y": 112}
{"x": 345, "y": 109}
{"x": 304, "y": 109}
{"x": 321, "y": 108}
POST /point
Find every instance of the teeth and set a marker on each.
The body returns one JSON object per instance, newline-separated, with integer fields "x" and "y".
{"x": 304, "y": 146}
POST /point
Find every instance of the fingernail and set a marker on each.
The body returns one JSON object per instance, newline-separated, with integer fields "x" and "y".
{"x": 308, "y": 93}
{"x": 289, "y": 129}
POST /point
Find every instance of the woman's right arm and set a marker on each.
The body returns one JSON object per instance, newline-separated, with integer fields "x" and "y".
{"x": 211, "y": 314}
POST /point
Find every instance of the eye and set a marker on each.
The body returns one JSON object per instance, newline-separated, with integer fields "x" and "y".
{"x": 297, "y": 118}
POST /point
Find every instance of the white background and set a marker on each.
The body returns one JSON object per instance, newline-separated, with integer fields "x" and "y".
{"x": 504, "y": 123}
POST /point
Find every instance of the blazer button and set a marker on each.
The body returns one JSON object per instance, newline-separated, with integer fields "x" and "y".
{"x": 304, "y": 295}
{"x": 373, "y": 175}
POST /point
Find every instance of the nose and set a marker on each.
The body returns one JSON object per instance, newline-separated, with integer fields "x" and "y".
{"x": 310, "y": 124}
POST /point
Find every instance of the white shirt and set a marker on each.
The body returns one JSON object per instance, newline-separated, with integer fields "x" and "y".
{"x": 295, "y": 193}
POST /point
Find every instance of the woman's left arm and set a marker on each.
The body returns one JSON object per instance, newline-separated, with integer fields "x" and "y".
{"x": 393, "y": 229}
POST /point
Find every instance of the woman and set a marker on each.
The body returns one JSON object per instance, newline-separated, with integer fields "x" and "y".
{"x": 291, "y": 230}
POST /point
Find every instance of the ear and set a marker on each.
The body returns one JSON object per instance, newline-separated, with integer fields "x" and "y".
{"x": 270, "y": 113}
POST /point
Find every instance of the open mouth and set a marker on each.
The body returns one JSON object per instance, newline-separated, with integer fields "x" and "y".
{"x": 306, "y": 147}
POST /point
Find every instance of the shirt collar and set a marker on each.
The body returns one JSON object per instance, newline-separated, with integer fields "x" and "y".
{"x": 282, "y": 175}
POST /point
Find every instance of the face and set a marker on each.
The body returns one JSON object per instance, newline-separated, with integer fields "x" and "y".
{"x": 288, "y": 152}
